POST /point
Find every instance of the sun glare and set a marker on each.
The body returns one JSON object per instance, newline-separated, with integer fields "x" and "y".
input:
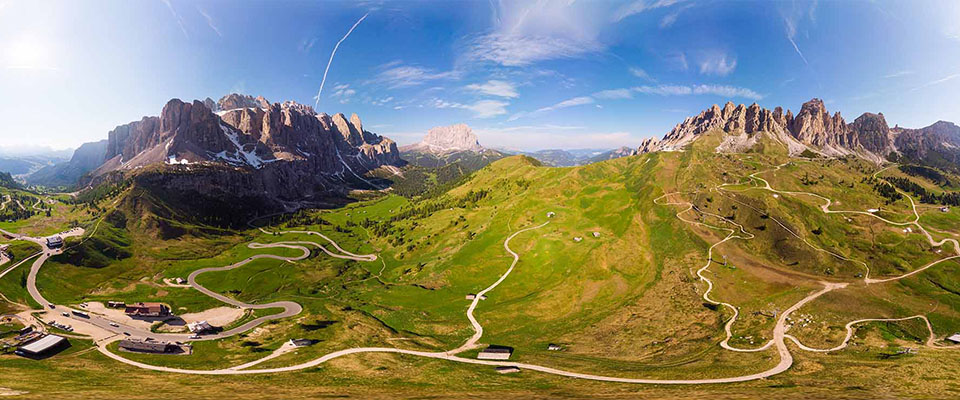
{"x": 27, "y": 53}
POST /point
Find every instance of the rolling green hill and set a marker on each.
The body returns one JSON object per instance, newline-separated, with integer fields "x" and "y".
{"x": 612, "y": 278}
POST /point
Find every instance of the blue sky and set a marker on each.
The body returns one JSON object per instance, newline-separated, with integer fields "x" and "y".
{"x": 525, "y": 74}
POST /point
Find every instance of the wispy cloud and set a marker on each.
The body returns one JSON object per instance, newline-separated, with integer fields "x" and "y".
{"x": 495, "y": 88}
{"x": 576, "y": 101}
{"x": 678, "y": 60}
{"x": 791, "y": 21}
{"x": 209, "y": 21}
{"x": 899, "y": 74}
{"x": 685, "y": 90}
{"x": 640, "y": 73}
{"x": 718, "y": 63}
{"x": 333, "y": 53}
{"x": 480, "y": 109}
{"x": 614, "y": 94}
{"x": 671, "y": 17}
{"x": 639, "y": 6}
{"x": 176, "y": 16}
{"x": 402, "y": 76}
{"x": 343, "y": 93}
{"x": 938, "y": 81}
{"x": 518, "y": 51}
{"x": 306, "y": 44}
{"x": 664, "y": 90}
{"x": 526, "y": 32}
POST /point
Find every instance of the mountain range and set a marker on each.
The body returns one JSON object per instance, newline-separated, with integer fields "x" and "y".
{"x": 815, "y": 130}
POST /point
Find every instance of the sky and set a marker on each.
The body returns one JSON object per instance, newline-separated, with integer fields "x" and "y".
{"x": 524, "y": 75}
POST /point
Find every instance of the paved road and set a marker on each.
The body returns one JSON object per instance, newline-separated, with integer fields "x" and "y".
{"x": 779, "y": 330}
{"x": 122, "y": 330}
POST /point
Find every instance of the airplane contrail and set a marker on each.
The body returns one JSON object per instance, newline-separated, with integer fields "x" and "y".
{"x": 334, "y": 52}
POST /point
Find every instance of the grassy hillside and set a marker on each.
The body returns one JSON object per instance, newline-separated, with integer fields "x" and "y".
{"x": 623, "y": 300}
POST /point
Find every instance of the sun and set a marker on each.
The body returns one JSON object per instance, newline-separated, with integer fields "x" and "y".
{"x": 27, "y": 52}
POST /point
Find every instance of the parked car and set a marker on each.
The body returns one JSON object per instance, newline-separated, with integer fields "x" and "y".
{"x": 65, "y": 314}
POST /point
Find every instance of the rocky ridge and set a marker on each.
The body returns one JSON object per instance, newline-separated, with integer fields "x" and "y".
{"x": 259, "y": 156}
{"x": 814, "y": 129}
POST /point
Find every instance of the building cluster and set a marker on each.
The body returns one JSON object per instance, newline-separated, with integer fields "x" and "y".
{"x": 55, "y": 242}
{"x": 35, "y": 344}
{"x": 150, "y": 310}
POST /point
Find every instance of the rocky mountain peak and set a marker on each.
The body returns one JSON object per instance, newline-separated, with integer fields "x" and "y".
{"x": 451, "y": 138}
{"x": 235, "y": 100}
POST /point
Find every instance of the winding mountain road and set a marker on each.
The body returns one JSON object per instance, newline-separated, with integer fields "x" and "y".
{"x": 737, "y": 232}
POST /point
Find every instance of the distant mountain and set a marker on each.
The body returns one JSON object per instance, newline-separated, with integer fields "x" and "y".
{"x": 815, "y": 130}
{"x": 616, "y": 153}
{"x": 21, "y": 163}
{"x": 566, "y": 158}
{"x": 445, "y": 145}
{"x": 85, "y": 158}
{"x": 7, "y": 181}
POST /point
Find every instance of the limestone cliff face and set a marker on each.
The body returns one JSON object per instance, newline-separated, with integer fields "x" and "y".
{"x": 281, "y": 153}
{"x": 446, "y": 139}
{"x": 815, "y": 129}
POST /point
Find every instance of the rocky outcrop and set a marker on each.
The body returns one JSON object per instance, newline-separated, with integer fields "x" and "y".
{"x": 445, "y": 139}
{"x": 873, "y": 134}
{"x": 813, "y": 128}
{"x": 936, "y": 145}
{"x": 648, "y": 145}
{"x": 445, "y": 145}
{"x": 278, "y": 154}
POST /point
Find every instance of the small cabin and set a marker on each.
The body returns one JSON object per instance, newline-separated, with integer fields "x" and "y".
{"x": 494, "y": 352}
{"x": 508, "y": 370}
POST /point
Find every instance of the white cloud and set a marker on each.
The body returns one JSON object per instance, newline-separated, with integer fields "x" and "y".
{"x": 480, "y": 109}
{"x": 526, "y": 32}
{"x": 684, "y": 90}
{"x": 792, "y": 20}
{"x": 177, "y": 17}
{"x": 576, "y": 101}
{"x": 343, "y": 93}
{"x": 640, "y": 73}
{"x": 614, "y": 94}
{"x": 938, "y": 81}
{"x": 718, "y": 64}
{"x": 518, "y": 50}
{"x": 664, "y": 90}
{"x": 408, "y": 75}
{"x": 671, "y": 17}
{"x": 899, "y": 74}
{"x": 496, "y": 88}
{"x": 727, "y": 91}
{"x": 639, "y": 6}
{"x": 209, "y": 21}
{"x": 488, "y": 108}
